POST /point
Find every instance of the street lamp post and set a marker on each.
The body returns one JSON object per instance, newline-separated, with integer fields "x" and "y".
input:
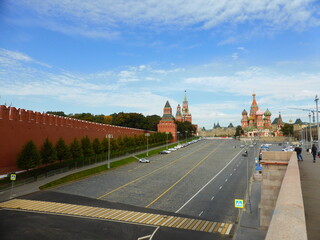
{"x": 310, "y": 130}
{"x": 167, "y": 133}
{"x": 178, "y": 136}
{"x": 316, "y": 100}
{"x": 186, "y": 135}
{"x": 147, "y": 135}
{"x": 109, "y": 136}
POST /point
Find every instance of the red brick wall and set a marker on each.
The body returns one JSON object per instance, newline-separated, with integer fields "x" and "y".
{"x": 167, "y": 126}
{"x": 17, "y": 126}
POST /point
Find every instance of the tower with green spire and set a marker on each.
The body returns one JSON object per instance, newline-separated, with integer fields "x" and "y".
{"x": 167, "y": 123}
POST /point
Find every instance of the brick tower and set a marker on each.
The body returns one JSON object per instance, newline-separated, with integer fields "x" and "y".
{"x": 186, "y": 115}
{"x": 167, "y": 124}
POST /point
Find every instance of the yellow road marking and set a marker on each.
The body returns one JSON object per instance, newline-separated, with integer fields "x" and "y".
{"x": 217, "y": 227}
{"x": 200, "y": 225}
{"x": 177, "y": 222}
{"x": 165, "y": 222}
{"x": 156, "y": 170}
{"x": 182, "y": 222}
{"x": 204, "y": 226}
{"x": 133, "y": 216}
{"x": 119, "y": 215}
{"x": 196, "y": 225}
{"x": 126, "y": 216}
{"x": 193, "y": 168}
{"x": 188, "y": 224}
{"x": 225, "y": 228}
{"x": 169, "y": 222}
{"x": 206, "y": 229}
{"x": 147, "y": 219}
{"x": 193, "y": 223}
{"x": 212, "y": 227}
{"x": 229, "y": 229}
{"x": 153, "y": 219}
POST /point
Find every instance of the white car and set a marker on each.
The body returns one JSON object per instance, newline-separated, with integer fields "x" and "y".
{"x": 144, "y": 160}
{"x": 172, "y": 149}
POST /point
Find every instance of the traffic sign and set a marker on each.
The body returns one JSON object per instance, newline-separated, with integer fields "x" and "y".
{"x": 13, "y": 177}
{"x": 238, "y": 203}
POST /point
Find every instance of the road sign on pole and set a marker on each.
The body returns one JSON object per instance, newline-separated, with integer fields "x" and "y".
{"x": 238, "y": 203}
{"x": 13, "y": 177}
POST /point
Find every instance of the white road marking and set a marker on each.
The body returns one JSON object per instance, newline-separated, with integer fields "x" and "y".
{"x": 207, "y": 183}
{"x": 220, "y": 187}
{"x": 200, "y": 213}
{"x": 230, "y": 174}
{"x": 227, "y": 180}
{"x": 212, "y": 198}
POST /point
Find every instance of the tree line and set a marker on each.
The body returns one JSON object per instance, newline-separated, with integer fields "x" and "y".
{"x": 132, "y": 120}
{"x": 31, "y": 157}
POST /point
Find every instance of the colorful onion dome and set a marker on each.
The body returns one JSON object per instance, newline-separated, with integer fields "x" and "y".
{"x": 267, "y": 113}
{"x": 244, "y": 112}
{"x": 259, "y": 112}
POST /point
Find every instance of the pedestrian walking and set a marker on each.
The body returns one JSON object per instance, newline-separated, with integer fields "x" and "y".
{"x": 314, "y": 151}
{"x": 298, "y": 150}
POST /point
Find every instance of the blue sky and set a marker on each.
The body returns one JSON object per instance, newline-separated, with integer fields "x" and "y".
{"x": 108, "y": 56}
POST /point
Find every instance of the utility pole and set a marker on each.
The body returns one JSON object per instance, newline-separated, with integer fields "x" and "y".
{"x": 310, "y": 130}
{"x": 317, "y": 112}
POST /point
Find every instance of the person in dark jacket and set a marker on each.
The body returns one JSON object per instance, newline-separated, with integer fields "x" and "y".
{"x": 298, "y": 150}
{"x": 314, "y": 151}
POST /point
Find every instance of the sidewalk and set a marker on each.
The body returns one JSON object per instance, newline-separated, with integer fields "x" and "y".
{"x": 310, "y": 184}
{"x": 249, "y": 224}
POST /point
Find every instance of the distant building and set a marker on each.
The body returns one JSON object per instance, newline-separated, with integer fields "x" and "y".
{"x": 258, "y": 123}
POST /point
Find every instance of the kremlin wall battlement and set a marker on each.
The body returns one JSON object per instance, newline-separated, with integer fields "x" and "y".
{"x": 18, "y": 126}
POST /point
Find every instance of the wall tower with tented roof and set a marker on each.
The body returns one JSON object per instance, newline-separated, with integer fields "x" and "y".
{"x": 166, "y": 123}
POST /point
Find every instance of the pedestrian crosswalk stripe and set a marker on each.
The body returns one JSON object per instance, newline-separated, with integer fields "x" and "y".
{"x": 119, "y": 215}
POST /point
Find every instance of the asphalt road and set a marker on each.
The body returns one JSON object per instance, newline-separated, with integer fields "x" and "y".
{"x": 172, "y": 182}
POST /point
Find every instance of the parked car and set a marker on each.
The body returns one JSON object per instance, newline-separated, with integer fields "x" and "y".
{"x": 144, "y": 160}
{"x": 164, "y": 152}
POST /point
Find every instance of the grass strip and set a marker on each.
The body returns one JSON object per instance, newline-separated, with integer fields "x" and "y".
{"x": 87, "y": 173}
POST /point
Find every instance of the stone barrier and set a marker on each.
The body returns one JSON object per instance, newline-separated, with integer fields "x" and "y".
{"x": 288, "y": 218}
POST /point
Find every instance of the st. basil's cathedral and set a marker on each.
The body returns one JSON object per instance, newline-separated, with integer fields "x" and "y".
{"x": 258, "y": 123}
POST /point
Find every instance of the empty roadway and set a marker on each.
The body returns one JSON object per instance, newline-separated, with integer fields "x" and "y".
{"x": 170, "y": 181}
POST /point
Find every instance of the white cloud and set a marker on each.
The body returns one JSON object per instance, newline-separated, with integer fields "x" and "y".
{"x": 235, "y": 56}
{"x": 14, "y": 58}
{"x": 103, "y": 18}
{"x": 112, "y": 89}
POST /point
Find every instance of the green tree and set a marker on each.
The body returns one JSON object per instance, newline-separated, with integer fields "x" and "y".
{"x": 48, "y": 153}
{"x": 86, "y": 147}
{"x": 97, "y": 146}
{"x": 104, "y": 145}
{"x": 58, "y": 113}
{"x": 287, "y": 129}
{"x": 29, "y": 157}
{"x": 239, "y": 131}
{"x": 120, "y": 142}
{"x": 151, "y": 122}
{"x": 63, "y": 151}
{"x": 185, "y": 126}
{"x": 75, "y": 149}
